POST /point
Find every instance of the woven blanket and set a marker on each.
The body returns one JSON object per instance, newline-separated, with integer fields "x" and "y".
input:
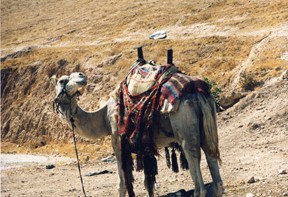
{"x": 180, "y": 84}
{"x": 140, "y": 110}
{"x": 137, "y": 113}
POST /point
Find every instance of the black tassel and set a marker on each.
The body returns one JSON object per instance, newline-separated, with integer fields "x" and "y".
{"x": 150, "y": 171}
{"x": 127, "y": 165}
{"x": 183, "y": 160}
{"x": 168, "y": 162}
{"x": 175, "y": 167}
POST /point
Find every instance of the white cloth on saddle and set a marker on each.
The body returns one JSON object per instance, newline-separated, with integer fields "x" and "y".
{"x": 142, "y": 79}
{"x": 168, "y": 107}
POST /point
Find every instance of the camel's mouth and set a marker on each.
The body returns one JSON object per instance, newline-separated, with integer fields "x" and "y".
{"x": 81, "y": 90}
{"x": 83, "y": 83}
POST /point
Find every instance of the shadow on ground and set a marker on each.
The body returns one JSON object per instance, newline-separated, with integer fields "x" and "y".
{"x": 190, "y": 193}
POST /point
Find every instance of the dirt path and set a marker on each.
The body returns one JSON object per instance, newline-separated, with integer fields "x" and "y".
{"x": 63, "y": 180}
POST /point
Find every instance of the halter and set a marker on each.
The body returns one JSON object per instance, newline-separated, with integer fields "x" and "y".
{"x": 58, "y": 100}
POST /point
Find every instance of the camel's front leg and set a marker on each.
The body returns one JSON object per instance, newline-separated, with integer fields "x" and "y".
{"x": 121, "y": 179}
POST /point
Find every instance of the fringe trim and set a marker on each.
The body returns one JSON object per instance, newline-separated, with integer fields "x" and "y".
{"x": 183, "y": 161}
{"x": 175, "y": 167}
{"x": 150, "y": 171}
{"x": 167, "y": 154}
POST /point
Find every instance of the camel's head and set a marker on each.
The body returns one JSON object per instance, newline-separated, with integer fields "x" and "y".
{"x": 69, "y": 86}
{"x": 77, "y": 82}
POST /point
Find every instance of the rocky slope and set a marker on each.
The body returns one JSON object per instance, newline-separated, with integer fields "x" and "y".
{"x": 240, "y": 45}
{"x": 237, "y": 44}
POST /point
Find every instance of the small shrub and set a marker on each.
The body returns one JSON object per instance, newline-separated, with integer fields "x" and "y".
{"x": 215, "y": 92}
{"x": 248, "y": 82}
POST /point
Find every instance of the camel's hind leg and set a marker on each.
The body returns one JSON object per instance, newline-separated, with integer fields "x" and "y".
{"x": 215, "y": 174}
{"x": 185, "y": 124}
{"x": 209, "y": 142}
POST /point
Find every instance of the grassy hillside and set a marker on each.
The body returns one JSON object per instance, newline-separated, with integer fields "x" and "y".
{"x": 237, "y": 44}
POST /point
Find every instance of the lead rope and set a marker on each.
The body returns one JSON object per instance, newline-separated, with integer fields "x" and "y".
{"x": 76, "y": 152}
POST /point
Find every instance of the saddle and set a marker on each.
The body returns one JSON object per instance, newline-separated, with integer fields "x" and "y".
{"x": 142, "y": 77}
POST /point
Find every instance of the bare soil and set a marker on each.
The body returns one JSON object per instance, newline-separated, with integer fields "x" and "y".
{"x": 253, "y": 143}
{"x": 240, "y": 45}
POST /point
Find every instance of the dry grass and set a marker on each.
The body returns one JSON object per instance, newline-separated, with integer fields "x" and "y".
{"x": 218, "y": 39}
{"x": 210, "y": 39}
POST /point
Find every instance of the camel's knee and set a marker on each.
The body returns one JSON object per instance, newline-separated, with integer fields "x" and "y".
{"x": 210, "y": 155}
{"x": 191, "y": 147}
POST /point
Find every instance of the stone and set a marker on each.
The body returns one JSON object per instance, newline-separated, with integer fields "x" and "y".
{"x": 50, "y": 166}
{"x": 251, "y": 179}
{"x": 282, "y": 171}
{"x": 249, "y": 195}
{"x": 255, "y": 126}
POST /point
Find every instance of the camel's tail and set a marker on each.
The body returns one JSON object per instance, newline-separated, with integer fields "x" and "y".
{"x": 209, "y": 134}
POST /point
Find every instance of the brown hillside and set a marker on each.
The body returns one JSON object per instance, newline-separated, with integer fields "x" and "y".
{"x": 241, "y": 45}
{"x": 228, "y": 42}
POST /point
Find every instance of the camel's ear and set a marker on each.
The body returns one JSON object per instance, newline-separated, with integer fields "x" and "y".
{"x": 53, "y": 80}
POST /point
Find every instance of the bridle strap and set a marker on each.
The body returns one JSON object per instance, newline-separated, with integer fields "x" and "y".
{"x": 58, "y": 103}
{"x": 60, "y": 96}
{"x": 77, "y": 156}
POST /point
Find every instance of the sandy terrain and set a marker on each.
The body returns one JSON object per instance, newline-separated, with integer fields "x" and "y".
{"x": 241, "y": 45}
{"x": 253, "y": 139}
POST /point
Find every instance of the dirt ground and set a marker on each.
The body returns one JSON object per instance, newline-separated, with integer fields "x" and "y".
{"x": 241, "y": 45}
{"x": 253, "y": 143}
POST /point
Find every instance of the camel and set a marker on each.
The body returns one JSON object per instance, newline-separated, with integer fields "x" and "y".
{"x": 193, "y": 126}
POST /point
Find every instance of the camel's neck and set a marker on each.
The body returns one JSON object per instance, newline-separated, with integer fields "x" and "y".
{"x": 92, "y": 125}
